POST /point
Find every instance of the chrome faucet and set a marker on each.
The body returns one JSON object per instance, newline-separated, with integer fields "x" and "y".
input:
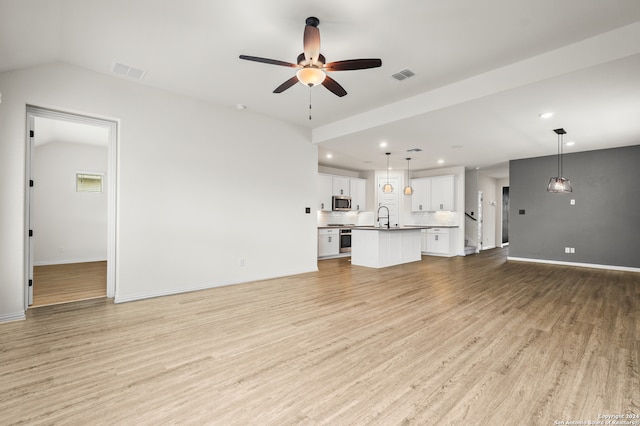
{"x": 388, "y": 216}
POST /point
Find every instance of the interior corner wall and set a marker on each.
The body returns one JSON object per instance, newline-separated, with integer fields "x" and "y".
{"x": 603, "y": 224}
{"x": 228, "y": 191}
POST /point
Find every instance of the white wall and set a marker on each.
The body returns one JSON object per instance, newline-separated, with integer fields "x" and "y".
{"x": 228, "y": 185}
{"x": 68, "y": 226}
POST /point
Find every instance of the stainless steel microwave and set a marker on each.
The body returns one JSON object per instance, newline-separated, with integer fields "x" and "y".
{"x": 341, "y": 203}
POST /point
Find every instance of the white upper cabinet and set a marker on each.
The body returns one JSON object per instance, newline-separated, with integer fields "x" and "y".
{"x": 357, "y": 189}
{"x": 421, "y": 197}
{"x": 325, "y": 191}
{"x": 330, "y": 185}
{"x": 341, "y": 186}
{"x": 442, "y": 193}
{"x": 433, "y": 194}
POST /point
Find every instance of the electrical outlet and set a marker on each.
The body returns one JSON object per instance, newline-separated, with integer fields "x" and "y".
{"x": 241, "y": 261}
{"x": 573, "y": 202}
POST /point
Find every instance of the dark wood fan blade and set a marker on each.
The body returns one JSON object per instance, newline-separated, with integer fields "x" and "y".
{"x": 311, "y": 44}
{"x": 333, "y": 86}
{"x": 353, "y": 64}
{"x": 284, "y": 86}
{"x": 268, "y": 61}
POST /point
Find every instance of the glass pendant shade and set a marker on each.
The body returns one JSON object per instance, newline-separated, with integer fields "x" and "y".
{"x": 559, "y": 184}
{"x": 387, "y": 187}
{"x": 310, "y": 76}
{"x": 408, "y": 190}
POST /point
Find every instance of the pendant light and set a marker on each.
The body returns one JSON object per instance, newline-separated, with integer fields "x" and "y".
{"x": 387, "y": 187}
{"x": 559, "y": 184}
{"x": 408, "y": 190}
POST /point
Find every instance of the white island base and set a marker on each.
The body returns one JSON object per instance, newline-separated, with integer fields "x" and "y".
{"x": 382, "y": 247}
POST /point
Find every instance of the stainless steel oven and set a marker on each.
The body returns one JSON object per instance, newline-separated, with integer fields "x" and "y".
{"x": 345, "y": 240}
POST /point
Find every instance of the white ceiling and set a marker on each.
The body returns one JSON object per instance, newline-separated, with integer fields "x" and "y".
{"x": 484, "y": 70}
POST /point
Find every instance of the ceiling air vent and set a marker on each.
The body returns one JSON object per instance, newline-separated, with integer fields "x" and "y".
{"x": 404, "y": 74}
{"x": 127, "y": 71}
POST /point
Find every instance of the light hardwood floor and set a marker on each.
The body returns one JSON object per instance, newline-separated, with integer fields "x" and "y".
{"x": 467, "y": 341}
{"x": 54, "y": 284}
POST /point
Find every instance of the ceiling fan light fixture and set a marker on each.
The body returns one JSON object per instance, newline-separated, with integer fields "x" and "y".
{"x": 310, "y": 76}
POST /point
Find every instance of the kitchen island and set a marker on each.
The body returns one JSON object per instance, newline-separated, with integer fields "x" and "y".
{"x": 379, "y": 247}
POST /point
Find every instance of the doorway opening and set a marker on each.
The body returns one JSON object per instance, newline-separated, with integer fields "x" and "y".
{"x": 505, "y": 216}
{"x": 70, "y": 207}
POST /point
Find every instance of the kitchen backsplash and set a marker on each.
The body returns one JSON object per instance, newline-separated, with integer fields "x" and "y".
{"x": 345, "y": 218}
{"x": 433, "y": 219}
{"x": 367, "y": 218}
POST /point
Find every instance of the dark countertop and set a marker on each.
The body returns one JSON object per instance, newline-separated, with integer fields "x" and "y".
{"x": 393, "y": 227}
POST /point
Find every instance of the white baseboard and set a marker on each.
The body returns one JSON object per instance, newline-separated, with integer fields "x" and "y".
{"x": 17, "y": 316}
{"x": 582, "y": 265}
{"x": 68, "y": 261}
{"x": 171, "y": 292}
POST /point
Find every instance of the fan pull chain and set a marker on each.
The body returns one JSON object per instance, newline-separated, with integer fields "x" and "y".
{"x": 309, "y": 102}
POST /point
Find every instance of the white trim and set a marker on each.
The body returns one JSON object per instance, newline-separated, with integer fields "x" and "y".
{"x": 18, "y": 316}
{"x": 582, "y": 265}
{"x": 113, "y": 126}
{"x": 68, "y": 261}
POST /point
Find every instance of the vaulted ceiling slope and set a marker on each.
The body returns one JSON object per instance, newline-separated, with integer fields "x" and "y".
{"x": 483, "y": 70}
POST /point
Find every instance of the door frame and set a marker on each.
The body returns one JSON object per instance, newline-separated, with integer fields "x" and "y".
{"x": 112, "y": 126}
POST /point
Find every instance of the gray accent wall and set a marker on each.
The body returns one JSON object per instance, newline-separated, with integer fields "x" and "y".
{"x": 604, "y": 224}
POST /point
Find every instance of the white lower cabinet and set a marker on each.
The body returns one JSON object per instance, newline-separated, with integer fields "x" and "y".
{"x": 328, "y": 242}
{"x": 437, "y": 241}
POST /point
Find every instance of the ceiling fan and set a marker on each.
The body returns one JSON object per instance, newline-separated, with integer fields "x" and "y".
{"x": 312, "y": 66}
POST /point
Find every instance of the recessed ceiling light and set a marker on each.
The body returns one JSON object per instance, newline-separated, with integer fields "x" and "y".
{"x": 570, "y": 143}
{"x": 545, "y": 115}
{"x": 383, "y": 144}
{"x": 441, "y": 161}
{"x": 329, "y": 155}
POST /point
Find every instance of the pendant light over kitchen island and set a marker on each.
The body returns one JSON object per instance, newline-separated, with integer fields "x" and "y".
{"x": 408, "y": 190}
{"x": 387, "y": 187}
